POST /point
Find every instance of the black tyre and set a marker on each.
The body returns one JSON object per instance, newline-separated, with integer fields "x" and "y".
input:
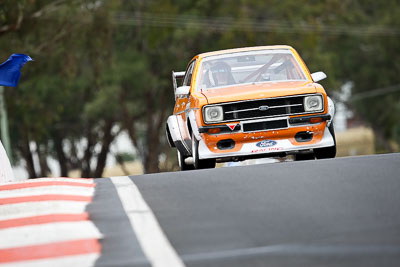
{"x": 200, "y": 163}
{"x": 327, "y": 152}
{"x": 182, "y": 165}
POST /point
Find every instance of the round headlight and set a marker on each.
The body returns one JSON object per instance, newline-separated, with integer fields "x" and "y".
{"x": 213, "y": 114}
{"x": 313, "y": 103}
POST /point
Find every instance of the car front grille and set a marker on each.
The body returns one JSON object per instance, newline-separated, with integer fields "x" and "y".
{"x": 262, "y": 108}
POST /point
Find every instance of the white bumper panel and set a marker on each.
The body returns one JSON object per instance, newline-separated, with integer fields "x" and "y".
{"x": 331, "y": 110}
{"x": 248, "y": 149}
{"x": 172, "y": 123}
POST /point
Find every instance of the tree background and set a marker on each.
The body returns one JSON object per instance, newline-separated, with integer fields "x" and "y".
{"x": 103, "y": 67}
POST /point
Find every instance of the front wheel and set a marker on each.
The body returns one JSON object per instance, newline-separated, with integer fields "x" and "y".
{"x": 327, "y": 152}
{"x": 200, "y": 163}
{"x": 182, "y": 165}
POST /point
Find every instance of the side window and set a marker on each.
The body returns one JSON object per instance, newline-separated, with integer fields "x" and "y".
{"x": 188, "y": 77}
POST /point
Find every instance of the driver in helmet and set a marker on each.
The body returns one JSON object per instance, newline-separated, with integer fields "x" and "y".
{"x": 220, "y": 74}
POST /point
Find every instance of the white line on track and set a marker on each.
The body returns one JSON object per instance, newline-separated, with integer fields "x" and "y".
{"x": 152, "y": 239}
{"x": 47, "y": 233}
{"x": 21, "y": 210}
{"x": 54, "y": 189}
{"x": 86, "y": 260}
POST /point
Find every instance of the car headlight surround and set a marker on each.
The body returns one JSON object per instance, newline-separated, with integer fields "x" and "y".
{"x": 313, "y": 103}
{"x": 213, "y": 114}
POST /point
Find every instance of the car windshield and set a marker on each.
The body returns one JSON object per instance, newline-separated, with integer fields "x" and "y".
{"x": 248, "y": 67}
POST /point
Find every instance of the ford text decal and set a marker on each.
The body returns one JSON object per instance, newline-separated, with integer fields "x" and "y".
{"x": 266, "y": 143}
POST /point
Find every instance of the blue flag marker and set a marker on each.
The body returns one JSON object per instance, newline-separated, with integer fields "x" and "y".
{"x": 10, "y": 70}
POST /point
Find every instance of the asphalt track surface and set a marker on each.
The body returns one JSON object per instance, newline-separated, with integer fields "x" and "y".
{"x": 336, "y": 212}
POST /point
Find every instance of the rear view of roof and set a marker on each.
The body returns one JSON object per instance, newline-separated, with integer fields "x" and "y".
{"x": 243, "y": 49}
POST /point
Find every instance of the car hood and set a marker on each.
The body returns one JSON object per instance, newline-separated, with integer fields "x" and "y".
{"x": 257, "y": 91}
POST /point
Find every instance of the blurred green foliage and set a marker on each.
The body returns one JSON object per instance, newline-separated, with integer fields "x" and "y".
{"x": 104, "y": 66}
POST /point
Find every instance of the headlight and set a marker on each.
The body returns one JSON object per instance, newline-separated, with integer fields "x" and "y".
{"x": 213, "y": 114}
{"x": 313, "y": 103}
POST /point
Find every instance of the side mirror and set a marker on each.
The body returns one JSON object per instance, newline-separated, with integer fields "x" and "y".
{"x": 318, "y": 76}
{"x": 182, "y": 90}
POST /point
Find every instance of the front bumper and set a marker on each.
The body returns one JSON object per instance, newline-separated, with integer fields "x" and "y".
{"x": 265, "y": 143}
{"x": 251, "y": 149}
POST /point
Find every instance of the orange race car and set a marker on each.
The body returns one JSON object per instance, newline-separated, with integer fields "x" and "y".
{"x": 247, "y": 103}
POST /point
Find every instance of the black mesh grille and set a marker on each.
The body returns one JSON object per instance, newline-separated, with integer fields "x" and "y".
{"x": 251, "y": 109}
{"x": 264, "y": 125}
